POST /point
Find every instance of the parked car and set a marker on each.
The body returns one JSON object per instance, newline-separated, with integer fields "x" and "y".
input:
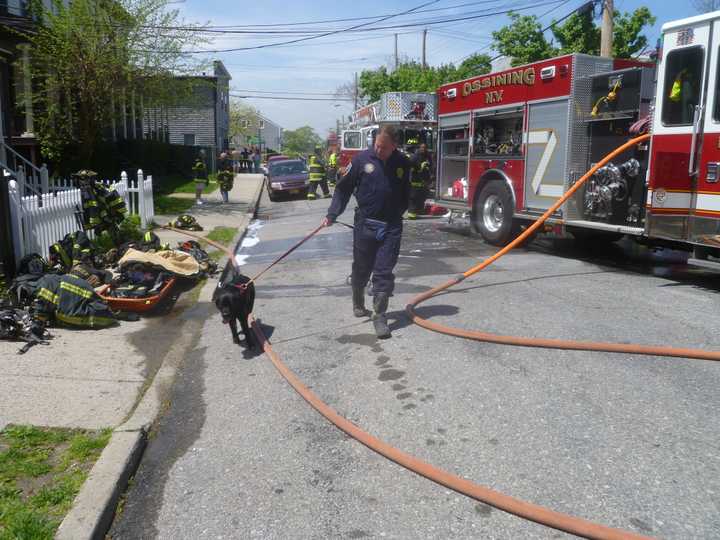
{"x": 287, "y": 177}
{"x": 277, "y": 157}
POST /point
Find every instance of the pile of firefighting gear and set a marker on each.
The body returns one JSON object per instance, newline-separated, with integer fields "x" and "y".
{"x": 61, "y": 289}
{"x": 103, "y": 208}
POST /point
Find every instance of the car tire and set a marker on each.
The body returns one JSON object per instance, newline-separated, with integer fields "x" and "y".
{"x": 493, "y": 213}
{"x": 272, "y": 196}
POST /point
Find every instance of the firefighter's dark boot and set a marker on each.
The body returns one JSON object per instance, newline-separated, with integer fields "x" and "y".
{"x": 359, "y": 302}
{"x": 380, "y": 305}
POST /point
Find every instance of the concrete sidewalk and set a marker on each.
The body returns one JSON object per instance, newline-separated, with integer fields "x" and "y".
{"x": 116, "y": 377}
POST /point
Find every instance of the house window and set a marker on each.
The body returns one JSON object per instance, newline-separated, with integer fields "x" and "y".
{"x": 245, "y": 124}
{"x": 189, "y": 139}
{"x": 262, "y": 124}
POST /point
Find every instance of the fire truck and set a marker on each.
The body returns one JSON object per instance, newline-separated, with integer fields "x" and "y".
{"x": 512, "y": 142}
{"x": 413, "y": 114}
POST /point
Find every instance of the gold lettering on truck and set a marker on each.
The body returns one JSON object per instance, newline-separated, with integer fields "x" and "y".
{"x": 518, "y": 77}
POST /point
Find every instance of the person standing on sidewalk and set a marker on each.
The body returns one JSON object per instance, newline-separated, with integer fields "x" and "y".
{"x": 225, "y": 176}
{"x": 256, "y": 160}
{"x": 201, "y": 175}
{"x": 317, "y": 175}
{"x": 380, "y": 179}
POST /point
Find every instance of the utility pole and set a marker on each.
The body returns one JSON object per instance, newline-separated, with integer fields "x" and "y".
{"x": 606, "y": 31}
{"x": 396, "y": 54}
{"x": 355, "y": 92}
{"x": 424, "y": 64}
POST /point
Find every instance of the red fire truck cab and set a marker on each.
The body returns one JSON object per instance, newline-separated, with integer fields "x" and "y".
{"x": 512, "y": 142}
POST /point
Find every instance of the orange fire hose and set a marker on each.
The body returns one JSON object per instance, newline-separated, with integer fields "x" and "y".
{"x": 529, "y": 511}
{"x": 699, "y": 354}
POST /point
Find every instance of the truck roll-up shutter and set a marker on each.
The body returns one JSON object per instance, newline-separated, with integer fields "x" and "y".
{"x": 454, "y": 120}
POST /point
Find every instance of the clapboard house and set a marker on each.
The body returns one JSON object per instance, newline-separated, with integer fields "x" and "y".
{"x": 201, "y": 118}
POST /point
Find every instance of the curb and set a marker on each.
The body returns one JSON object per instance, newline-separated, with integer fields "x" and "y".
{"x": 94, "y": 507}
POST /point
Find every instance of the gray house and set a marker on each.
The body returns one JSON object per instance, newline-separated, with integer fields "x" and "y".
{"x": 203, "y": 121}
{"x": 259, "y": 131}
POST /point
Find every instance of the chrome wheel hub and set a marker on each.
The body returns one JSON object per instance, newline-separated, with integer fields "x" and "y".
{"x": 493, "y": 213}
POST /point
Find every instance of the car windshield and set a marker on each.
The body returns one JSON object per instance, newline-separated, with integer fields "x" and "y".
{"x": 285, "y": 168}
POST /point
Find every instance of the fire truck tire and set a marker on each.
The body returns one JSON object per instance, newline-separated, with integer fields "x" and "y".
{"x": 492, "y": 213}
{"x": 597, "y": 237}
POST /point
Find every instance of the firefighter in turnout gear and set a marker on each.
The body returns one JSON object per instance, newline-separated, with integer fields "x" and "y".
{"x": 317, "y": 175}
{"x": 421, "y": 167}
{"x": 379, "y": 178}
{"x": 332, "y": 168}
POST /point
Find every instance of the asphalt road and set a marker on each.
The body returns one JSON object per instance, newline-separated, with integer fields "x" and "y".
{"x": 631, "y": 442}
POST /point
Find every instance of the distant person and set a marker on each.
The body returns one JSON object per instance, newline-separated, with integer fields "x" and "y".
{"x": 256, "y": 157}
{"x": 420, "y": 174}
{"x": 201, "y": 175}
{"x": 317, "y": 176}
{"x": 225, "y": 176}
{"x": 244, "y": 161}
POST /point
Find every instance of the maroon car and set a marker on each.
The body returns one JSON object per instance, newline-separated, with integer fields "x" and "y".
{"x": 287, "y": 177}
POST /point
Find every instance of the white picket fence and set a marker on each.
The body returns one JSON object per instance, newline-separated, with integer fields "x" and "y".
{"x": 38, "y": 221}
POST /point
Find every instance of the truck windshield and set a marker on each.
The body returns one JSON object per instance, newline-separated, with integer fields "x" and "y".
{"x": 351, "y": 139}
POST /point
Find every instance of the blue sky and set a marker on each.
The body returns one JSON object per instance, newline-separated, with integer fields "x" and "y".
{"x": 320, "y": 66}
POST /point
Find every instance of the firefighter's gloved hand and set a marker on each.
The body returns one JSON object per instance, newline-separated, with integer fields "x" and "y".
{"x": 327, "y": 221}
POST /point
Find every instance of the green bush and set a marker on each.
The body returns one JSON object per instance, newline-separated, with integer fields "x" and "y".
{"x": 130, "y": 229}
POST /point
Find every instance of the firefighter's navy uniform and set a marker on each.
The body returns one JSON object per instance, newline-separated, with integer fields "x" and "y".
{"x": 382, "y": 191}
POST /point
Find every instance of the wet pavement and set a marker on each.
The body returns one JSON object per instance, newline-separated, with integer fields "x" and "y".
{"x": 631, "y": 442}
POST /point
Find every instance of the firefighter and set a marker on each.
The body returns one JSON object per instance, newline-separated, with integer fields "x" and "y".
{"x": 419, "y": 179}
{"x": 317, "y": 175}
{"x": 201, "y": 175}
{"x": 379, "y": 178}
{"x": 225, "y": 176}
{"x": 332, "y": 168}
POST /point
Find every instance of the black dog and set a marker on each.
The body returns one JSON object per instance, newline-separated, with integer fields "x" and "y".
{"x": 235, "y": 302}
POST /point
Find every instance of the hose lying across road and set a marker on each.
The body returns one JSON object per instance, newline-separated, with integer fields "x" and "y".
{"x": 539, "y": 342}
{"x": 538, "y": 514}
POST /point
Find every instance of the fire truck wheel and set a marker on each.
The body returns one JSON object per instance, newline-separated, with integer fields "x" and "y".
{"x": 492, "y": 213}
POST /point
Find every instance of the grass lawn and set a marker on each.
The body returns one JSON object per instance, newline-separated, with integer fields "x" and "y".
{"x": 183, "y": 184}
{"x": 223, "y": 235}
{"x": 41, "y": 472}
{"x": 168, "y": 206}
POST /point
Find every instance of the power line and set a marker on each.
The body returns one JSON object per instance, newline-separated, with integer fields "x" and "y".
{"x": 288, "y": 98}
{"x": 314, "y": 37}
{"x": 285, "y": 92}
{"x": 283, "y": 43}
{"x": 212, "y": 28}
{"x": 562, "y": 3}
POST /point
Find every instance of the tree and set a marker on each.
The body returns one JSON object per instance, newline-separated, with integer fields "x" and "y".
{"x": 627, "y": 39}
{"x": 302, "y": 140}
{"x": 523, "y": 40}
{"x": 578, "y": 34}
{"x": 90, "y": 58}
{"x": 410, "y": 76}
{"x": 244, "y": 120}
